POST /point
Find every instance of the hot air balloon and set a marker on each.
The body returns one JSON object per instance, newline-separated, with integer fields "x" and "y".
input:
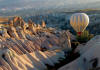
{"x": 79, "y": 22}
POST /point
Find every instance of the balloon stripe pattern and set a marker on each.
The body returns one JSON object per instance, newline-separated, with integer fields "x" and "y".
{"x": 79, "y": 21}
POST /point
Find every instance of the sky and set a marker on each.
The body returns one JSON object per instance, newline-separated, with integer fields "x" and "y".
{"x": 25, "y": 4}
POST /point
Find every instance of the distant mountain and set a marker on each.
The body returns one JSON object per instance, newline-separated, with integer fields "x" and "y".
{"x": 92, "y": 5}
{"x": 26, "y": 4}
{"x": 25, "y": 7}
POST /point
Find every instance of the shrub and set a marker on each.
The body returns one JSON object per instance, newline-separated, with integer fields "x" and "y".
{"x": 84, "y": 37}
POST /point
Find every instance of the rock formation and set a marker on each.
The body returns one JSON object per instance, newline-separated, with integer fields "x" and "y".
{"x": 28, "y": 46}
{"x": 90, "y": 57}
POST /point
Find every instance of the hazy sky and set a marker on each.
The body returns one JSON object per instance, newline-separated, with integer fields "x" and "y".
{"x": 49, "y": 0}
{"x": 20, "y": 4}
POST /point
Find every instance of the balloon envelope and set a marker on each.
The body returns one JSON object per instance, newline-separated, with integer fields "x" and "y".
{"x": 79, "y": 22}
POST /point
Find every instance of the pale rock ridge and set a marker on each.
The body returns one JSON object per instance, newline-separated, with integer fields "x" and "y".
{"x": 28, "y": 46}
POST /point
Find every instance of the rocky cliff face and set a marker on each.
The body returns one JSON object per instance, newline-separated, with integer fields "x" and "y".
{"x": 90, "y": 57}
{"x": 30, "y": 46}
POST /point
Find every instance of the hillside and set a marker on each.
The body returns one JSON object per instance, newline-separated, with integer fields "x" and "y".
{"x": 28, "y": 46}
{"x": 89, "y": 59}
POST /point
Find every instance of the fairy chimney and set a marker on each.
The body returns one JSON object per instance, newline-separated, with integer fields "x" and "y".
{"x": 30, "y": 23}
{"x": 17, "y": 21}
{"x": 12, "y": 32}
{"x": 10, "y": 23}
{"x": 31, "y": 27}
{"x": 38, "y": 26}
{"x": 5, "y": 34}
{"x": 20, "y": 32}
{"x": 43, "y": 24}
{"x": 64, "y": 40}
{"x": 68, "y": 38}
{"x": 23, "y": 24}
